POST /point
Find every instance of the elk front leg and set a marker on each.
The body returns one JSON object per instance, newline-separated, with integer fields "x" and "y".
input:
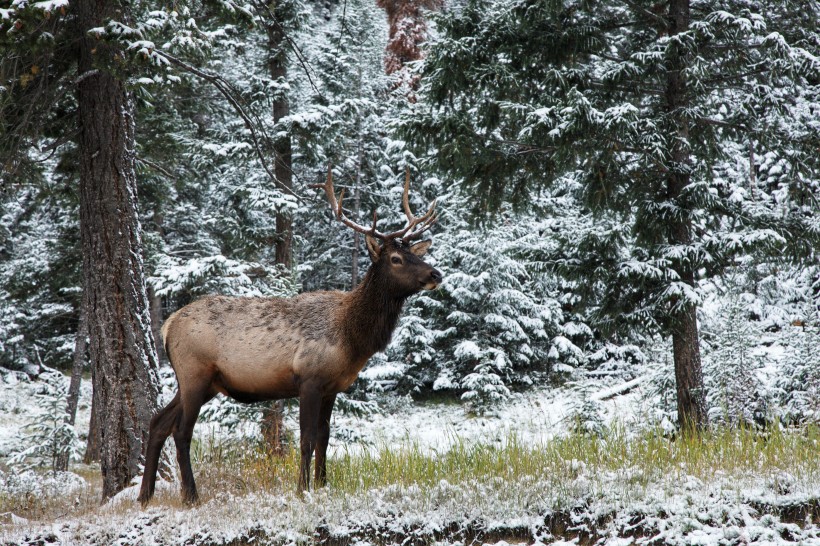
{"x": 310, "y": 402}
{"x": 322, "y": 440}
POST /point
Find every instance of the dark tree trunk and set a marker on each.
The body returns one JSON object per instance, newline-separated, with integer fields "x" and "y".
{"x": 357, "y": 205}
{"x": 73, "y": 398}
{"x": 685, "y": 339}
{"x": 283, "y": 154}
{"x": 273, "y": 426}
{"x": 121, "y": 346}
{"x": 92, "y": 445}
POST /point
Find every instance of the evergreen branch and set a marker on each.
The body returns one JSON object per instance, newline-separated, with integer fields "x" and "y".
{"x": 158, "y": 168}
{"x": 664, "y": 24}
{"x": 725, "y": 124}
{"x": 733, "y": 77}
{"x": 227, "y": 91}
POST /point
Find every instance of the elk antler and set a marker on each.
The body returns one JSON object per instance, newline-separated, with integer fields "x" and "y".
{"x": 414, "y": 228}
{"x": 426, "y": 222}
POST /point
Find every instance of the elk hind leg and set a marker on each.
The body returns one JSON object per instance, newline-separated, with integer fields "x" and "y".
{"x": 322, "y": 440}
{"x": 162, "y": 425}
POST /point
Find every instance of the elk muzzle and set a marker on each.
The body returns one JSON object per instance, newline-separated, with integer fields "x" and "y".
{"x": 434, "y": 281}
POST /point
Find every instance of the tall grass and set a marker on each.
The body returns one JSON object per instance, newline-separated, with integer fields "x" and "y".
{"x": 564, "y": 467}
{"x": 651, "y": 457}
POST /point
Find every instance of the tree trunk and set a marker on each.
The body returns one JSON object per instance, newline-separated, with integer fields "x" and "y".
{"x": 357, "y": 204}
{"x": 685, "y": 339}
{"x": 92, "y": 445}
{"x": 121, "y": 346}
{"x": 73, "y": 398}
{"x": 155, "y": 310}
{"x": 273, "y": 427}
{"x": 283, "y": 154}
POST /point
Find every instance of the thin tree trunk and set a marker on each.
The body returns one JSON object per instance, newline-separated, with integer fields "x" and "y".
{"x": 685, "y": 339}
{"x": 283, "y": 153}
{"x": 73, "y": 398}
{"x": 121, "y": 345}
{"x": 357, "y": 204}
{"x": 273, "y": 426}
{"x": 155, "y": 310}
{"x": 92, "y": 445}
{"x": 354, "y": 254}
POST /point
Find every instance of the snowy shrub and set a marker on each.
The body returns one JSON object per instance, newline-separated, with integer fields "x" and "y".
{"x": 232, "y": 415}
{"x": 797, "y": 386}
{"x": 494, "y": 323}
{"x": 735, "y": 393}
{"x": 29, "y": 483}
{"x": 346, "y": 403}
{"x": 49, "y": 435}
{"x": 585, "y": 417}
{"x": 484, "y": 386}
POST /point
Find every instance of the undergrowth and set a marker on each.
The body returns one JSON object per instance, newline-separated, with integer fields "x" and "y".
{"x": 558, "y": 465}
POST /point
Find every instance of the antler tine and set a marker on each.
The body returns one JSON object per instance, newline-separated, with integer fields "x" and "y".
{"x": 336, "y": 207}
{"x": 425, "y": 221}
{"x": 424, "y": 226}
{"x": 405, "y": 198}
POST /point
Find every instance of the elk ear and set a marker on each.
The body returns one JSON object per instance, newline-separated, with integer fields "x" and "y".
{"x": 373, "y": 248}
{"x": 420, "y": 248}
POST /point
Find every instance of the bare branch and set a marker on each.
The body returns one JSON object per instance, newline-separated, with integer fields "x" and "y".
{"x": 226, "y": 89}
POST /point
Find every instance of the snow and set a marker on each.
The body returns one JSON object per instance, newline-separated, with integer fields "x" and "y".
{"x": 617, "y": 507}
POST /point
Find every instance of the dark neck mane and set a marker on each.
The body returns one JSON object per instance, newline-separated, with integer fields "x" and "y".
{"x": 372, "y": 314}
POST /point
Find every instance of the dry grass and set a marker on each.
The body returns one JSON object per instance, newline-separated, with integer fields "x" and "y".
{"x": 224, "y": 467}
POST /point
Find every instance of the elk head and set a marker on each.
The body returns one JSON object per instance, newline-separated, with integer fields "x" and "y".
{"x": 395, "y": 258}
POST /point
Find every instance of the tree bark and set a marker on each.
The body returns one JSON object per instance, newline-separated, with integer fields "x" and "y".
{"x": 357, "y": 205}
{"x": 121, "y": 346}
{"x": 273, "y": 427}
{"x": 685, "y": 338}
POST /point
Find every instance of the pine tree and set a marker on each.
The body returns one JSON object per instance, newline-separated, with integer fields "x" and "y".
{"x": 494, "y": 324}
{"x": 735, "y": 392}
{"x": 121, "y": 348}
{"x": 797, "y": 388}
{"x": 638, "y": 102}
{"x": 50, "y": 436}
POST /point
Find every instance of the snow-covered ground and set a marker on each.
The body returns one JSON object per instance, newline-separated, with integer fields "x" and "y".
{"x": 612, "y": 507}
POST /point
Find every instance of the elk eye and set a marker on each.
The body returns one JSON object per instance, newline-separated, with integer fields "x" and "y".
{"x": 396, "y": 260}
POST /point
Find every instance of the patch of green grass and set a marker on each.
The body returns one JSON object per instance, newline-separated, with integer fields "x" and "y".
{"x": 650, "y": 457}
{"x": 566, "y": 468}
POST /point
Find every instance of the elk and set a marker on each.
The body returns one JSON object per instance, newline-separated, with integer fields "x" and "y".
{"x": 311, "y": 346}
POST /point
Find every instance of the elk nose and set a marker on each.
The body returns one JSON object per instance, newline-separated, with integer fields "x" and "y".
{"x": 436, "y": 276}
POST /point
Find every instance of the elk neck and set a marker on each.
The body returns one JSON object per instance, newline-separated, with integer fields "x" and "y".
{"x": 372, "y": 314}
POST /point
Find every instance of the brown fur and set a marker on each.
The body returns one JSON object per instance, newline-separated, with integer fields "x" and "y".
{"x": 312, "y": 346}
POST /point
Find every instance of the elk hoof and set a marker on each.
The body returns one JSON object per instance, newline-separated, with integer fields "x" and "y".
{"x": 144, "y": 498}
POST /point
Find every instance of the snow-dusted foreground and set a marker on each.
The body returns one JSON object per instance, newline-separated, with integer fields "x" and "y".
{"x": 580, "y": 503}
{"x": 606, "y": 509}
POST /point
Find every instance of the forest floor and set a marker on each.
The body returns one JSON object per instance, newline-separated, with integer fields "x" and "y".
{"x": 428, "y": 473}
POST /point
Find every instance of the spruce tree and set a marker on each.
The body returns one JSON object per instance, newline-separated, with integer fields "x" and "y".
{"x": 638, "y": 102}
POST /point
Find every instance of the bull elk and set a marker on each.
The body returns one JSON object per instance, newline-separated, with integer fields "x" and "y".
{"x": 312, "y": 346}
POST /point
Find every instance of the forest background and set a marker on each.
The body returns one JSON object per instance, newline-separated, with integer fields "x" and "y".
{"x": 629, "y": 189}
